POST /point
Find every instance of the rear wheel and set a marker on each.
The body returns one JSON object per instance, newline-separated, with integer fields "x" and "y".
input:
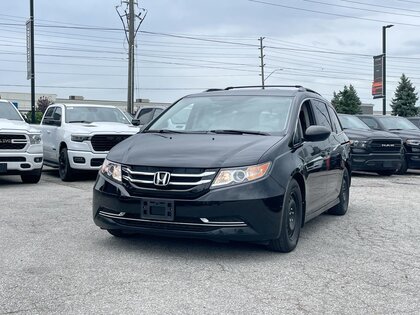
{"x": 342, "y": 206}
{"x": 64, "y": 169}
{"x": 32, "y": 177}
{"x": 291, "y": 222}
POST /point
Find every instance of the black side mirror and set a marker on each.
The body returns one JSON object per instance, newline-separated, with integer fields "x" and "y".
{"x": 317, "y": 133}
{"x": 136, "y": 122}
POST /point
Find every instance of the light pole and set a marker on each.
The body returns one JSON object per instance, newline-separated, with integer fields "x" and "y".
{"x": 278, "y": 69}
{"x": 384, "y": 67}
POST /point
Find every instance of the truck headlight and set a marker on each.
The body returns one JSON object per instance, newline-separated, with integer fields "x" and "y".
{"x": 413, "y": 142}
{"x": 233, "y": 176}
{"x": 111, "y": 170}
{"x": 80, "y": 138}
{"x": 35, "y": 138}
{"x": 360, "y": 144}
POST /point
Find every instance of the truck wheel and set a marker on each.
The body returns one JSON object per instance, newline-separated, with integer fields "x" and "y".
{"x": 292, "y": 220}
{"x": 31, "y": 177}
{"x": 64, "y": 168}
{"x": 404, "y": 167}
{"x": 342, "y": 206}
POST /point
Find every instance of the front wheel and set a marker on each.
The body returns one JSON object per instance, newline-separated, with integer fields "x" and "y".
{"x": 32, "y": 177}
{"x": 291, "y": 222}
{"x": 342, "y": 206}
{"x": 404, "y": 166}
{"x": 64, "y": 169}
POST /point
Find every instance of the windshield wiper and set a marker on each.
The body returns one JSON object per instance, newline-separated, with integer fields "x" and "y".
{"x": 163, "y": 131}
{"x": 239, "y": 132}
{"x": 80, "y": 121}
{"x": 395, "y": 129}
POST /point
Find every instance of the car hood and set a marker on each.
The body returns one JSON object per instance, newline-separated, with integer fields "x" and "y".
{"x": 369, "y": 134}
{"x": 407, "y": 134}
{"x": 102, "y": 127}
{"x": 192, "y": 150}
{"x": 15, "y": 126}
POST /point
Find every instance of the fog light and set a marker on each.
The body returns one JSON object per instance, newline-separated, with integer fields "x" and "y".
{"x": 38, "y": 160}
{"x": 79, "y": 160}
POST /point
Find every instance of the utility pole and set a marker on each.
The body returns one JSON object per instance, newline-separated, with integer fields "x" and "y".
{"x": 262, "y": 62}
{"x": 32, "y": 60}
{"x": 384, "y": 67}
{"x": 129, "y": 24}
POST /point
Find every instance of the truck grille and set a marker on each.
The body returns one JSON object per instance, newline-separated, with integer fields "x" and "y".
{"x": 12, "y": 142}
{"x": 181, "y": 183}
{"x": 106, "y": 142}
{"x": 385, "y": 145}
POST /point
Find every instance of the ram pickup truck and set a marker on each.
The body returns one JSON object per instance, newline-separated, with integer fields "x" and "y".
{"x": 20, "y": 145}
{"x": 78, "y": 137}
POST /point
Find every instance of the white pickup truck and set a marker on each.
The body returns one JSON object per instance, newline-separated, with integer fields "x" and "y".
{"x": 78, "y": 137}
{"x": 20, "y": 145}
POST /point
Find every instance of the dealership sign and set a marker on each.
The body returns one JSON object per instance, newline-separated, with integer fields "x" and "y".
{"x": 378, "y": 77}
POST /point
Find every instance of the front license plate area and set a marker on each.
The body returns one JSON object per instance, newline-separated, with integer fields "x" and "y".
{"x": 162, "y": 210}
{"x": 388, "y": 164}
{"x": 3, "y": 168}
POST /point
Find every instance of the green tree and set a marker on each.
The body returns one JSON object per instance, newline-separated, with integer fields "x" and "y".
{"x": 405, "y": 98}
{"x": 347, "y": 101}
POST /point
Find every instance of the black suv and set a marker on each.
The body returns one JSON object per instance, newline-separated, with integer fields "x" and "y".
{"x": 372, "y": 150}
{"x": 404, "y": 129}
{"x": 239, "y": 164}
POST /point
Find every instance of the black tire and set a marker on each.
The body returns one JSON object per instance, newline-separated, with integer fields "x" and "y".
{"x": 64, "y": 169}
{"x": 291, "y": 222}
{"x": 117, "y": 233}
{"x": 342, "y": 206}
{"x": 404, "y": 166}
{"x": 32, "y": 177}
{"x": 386, "y": 173}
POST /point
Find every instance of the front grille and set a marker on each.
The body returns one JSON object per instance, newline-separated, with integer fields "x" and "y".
{"x": 96, "y": 162}
{"x": 13, "y": 159}
{"x": 183, "y": 182}
{"x": 12, "y": 141}
{"x": 385, "y": 146}
{"x": 167, "y": 226}
{"x": 106, "y": 142}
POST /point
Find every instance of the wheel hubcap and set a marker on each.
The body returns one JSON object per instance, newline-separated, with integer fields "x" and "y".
{"x": 291, "y": 224}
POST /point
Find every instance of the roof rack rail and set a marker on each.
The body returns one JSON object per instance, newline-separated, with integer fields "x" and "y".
{"x": 300, "y": 87}
{"x": 213, "y": 90}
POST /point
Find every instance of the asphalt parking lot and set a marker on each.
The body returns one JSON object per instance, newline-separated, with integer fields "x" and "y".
{"x": 55, "y": 260}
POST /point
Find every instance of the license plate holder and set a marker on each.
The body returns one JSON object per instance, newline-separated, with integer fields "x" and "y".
{"x": 3, "y": 168}
{"x": 388, "y": 164}
{"x": 155, "y": 209}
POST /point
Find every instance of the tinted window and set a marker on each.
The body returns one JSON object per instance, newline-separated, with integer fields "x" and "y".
{"x": 396, "y": 123}
{"x": 49, "y": 112}
{"x": 352, "y": 122}
{"x": 370, "y": 122}
{"x": 57, "y": 114}
{"x": 9, "y": 111}
{"x": 145, "y": 115}
{"x": 321, "y": 114}
{"x": 335, "y": 122}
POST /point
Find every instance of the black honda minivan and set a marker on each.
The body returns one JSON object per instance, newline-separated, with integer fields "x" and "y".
{"x": 243, "y": 163}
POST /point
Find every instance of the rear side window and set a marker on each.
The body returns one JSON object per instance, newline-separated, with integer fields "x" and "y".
{"x": 321, "y": 114}
{"x": 335, "y": 123}
{"x": 370, "y": 122}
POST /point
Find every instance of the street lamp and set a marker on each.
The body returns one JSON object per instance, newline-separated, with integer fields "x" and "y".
{"x": 278, "y": 69}
{"x": 384, "y": 67}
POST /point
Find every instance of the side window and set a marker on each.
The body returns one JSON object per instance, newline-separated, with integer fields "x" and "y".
{"x": 321, "y": 114}
{"x": 145, "y": 115}
{"x": 157, "y": 112}
{"x": 335, "y": 122}
{"x": 370, "y": 122}
{"x": 298, "y": 136}
{"x": 48, "y": 116}
{"x": 57, "y": 114}
{"x": 306, "y": 117}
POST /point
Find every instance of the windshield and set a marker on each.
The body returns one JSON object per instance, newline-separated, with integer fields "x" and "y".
{"x": 397, "y": 123}
{"x": 352, "y": 122}
{"x": 9, "y": 111}
{"x": 264, "y": 114}
{"x": 88, "y": 114}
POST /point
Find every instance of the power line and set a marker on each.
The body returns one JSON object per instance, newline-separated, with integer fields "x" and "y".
{"x": 381, "y": 5}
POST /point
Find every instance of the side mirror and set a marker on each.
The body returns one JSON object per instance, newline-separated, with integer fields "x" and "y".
{"x": 317, "y": 133}
{"x": 136, "y": 122}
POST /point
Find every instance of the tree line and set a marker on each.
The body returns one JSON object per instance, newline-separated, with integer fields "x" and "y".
{"x": 403, "y": 103}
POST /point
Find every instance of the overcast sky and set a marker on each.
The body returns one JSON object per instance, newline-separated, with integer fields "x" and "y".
{"x": 217, "y": 47}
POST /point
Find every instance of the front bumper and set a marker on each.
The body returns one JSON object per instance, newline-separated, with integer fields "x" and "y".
{"x": 220, "y": 214}
{"x": 373, "y": 162}
{"x": 19, "y": 162}
{"x": 413, "y": 160}
{"x": 85, "y": 160}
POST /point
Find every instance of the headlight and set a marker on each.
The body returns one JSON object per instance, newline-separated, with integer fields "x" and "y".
{"x": 233, "y": 176}
{"x": 35, "y": 138}
{"x": 361, "y": 144}
{"x": 80, "y": 138}
{"x": 111, "y": 170}
{"x": 413, "y": 142}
